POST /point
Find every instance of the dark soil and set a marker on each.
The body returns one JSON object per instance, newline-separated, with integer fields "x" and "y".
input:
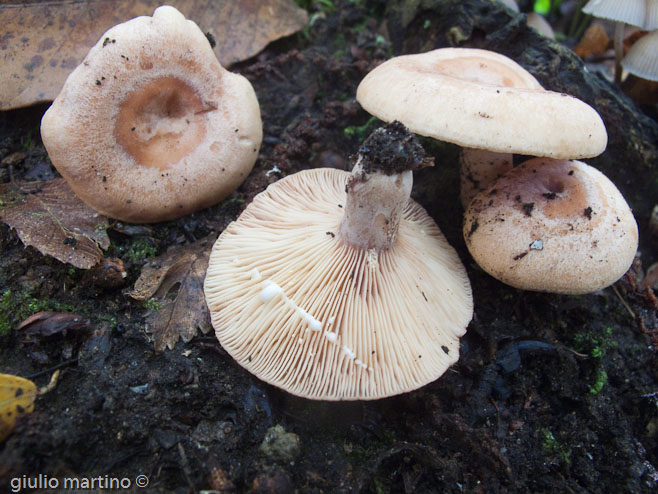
{"x": 551, "y": 394}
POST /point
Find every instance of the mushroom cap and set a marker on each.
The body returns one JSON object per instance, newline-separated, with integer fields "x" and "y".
{"x": 306, "y": 312}
{"x": 511, "y": 4}
{"x": 642, "y": 58}
{"x": 641, "y": 13}
{"x": 481, "y": 99}
{"x": 540, "y": 24}
{"x": 150, "y": 127}
{"x": 554, "y": 226}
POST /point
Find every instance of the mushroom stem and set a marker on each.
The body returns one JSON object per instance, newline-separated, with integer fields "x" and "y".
{"x": 380, "y": 186}
{"x": 619, "y": 49}
{"x": 479, "y": 168}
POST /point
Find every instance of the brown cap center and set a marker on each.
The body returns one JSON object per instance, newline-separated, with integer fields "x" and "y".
{"x": 162, "y": 122}
{"x": 481, "y": 70}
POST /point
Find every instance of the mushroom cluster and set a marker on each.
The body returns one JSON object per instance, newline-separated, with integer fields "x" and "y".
{"x": 336, "y": 285}
{"x": 639, "y": 13}
{"x": 483, "y": 100}
{"x": 150, "y": 126}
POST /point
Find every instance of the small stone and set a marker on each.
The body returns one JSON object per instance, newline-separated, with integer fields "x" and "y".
{"x": 280, "y": 445}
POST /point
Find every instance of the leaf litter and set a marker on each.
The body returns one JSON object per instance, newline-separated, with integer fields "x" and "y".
{"x": 174, "y": 281}
{"x": 43, "y": 41}
{"x": 17, "y": 396}
{"x": 49, "y": 217}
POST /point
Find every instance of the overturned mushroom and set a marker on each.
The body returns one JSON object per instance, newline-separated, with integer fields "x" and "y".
{"x": 338, "y": 286}
{"x": 552, "y": 225}
{"x": 481, "y": 99}
{"x": 150, "y": 126}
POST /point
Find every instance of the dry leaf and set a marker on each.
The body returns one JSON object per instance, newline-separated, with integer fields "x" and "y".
{"x": 594, "y": 41}
{"x": 184, "y": 311}
{"x": 49, "y": 217}
{"x": 17, "y": 396}
{"x": 650, "y": 279}
{"x": 43, "y": 41}
{"x": 44, "y": 324}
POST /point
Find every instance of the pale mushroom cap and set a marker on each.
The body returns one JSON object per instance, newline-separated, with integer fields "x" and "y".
{"x": 150, "y": 126}
{"x": 303, "y": 311}
{"x": 642, "y": 59}
{"x": 641, "y": 13}
{"x": 511, "y": 4}
{"x": 553, "y": 226}
{"x": 539, "y": 22}
{"x": 480, "y": 99}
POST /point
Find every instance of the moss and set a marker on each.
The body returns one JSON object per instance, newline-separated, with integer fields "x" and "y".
{"x": 596, "y": 346}
{"x": 110, "y": 319}
{"x": 16, "y": 307}
{"x": 600, "y": 380}
{"x": 152, "y": 304}
{"x": 362, "y": 131}
{"x": 553, "y": 447}
{"x": 139, "y": 251}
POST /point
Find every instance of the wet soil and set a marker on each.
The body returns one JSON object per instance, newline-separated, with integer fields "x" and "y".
{"x": 552, "y": 393}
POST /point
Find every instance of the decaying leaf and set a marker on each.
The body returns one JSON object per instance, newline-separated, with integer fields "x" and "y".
{"x": 175, "y": 281}
{"x": 17, "y": 396}
{"x": 43, "y": 41}
{"x": 594, "y": 42}
{"x": 49, "y": 217}
{"x": 45, "y": 324}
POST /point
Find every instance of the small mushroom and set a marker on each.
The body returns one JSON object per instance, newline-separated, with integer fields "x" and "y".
{"x": 555, "y": 226}
{"x": 150, "y": 126}
{"x": 338, "y": 286}
{"x": 642, "y": 58}
{"x": 533, "y": 19}
{"x": 539, "y": 23}
{"x": 481, "y": 99}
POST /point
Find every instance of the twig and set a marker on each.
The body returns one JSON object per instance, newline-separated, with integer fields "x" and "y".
{"x": 624, "y": 303}
{"x": 51, "y": 369}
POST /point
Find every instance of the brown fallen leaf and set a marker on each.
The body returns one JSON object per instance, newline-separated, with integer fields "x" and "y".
{"x": 110, "y": 273}
{"x": 183, "y": 309}
{"x": 650, "y": 279}
{"x": 44, "y": 324}
{"x": 49, "y": 217}
{"x": 594, "y": 42}
{"x": 43, "y": 41}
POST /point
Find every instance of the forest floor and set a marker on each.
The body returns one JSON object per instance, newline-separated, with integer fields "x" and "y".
{"x": 552, "y": 393}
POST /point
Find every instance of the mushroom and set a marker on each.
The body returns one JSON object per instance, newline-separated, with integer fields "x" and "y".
{"x": 481, "y": 99}
{"x": 642, "y": 58}
{"x": 533, "y": 19}
{"x": 539, "y": 23}
{"x": 150, "y": 126}
{"x": 556, "y": 226}
{"x": 640, "y": 13}
{"x": 338, "y": 286}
